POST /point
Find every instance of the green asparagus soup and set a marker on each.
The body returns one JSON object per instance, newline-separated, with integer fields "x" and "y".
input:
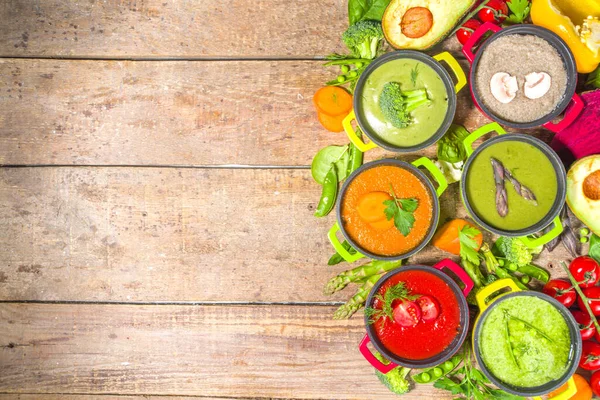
{"x": 525, "y": 342}
{"x": 529, "y": 167}
{"x": 426, "y": 119}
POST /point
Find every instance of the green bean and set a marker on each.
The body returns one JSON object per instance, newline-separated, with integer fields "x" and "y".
{"x": 344, "y": 69}
{"x": 535, "y": 272}
{"x": 434, "y": 373}
{"x": 329, "y": 194}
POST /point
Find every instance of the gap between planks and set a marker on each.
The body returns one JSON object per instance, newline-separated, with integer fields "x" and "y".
{"x": 180, "y": 303}
{"x": 222, "y": 166}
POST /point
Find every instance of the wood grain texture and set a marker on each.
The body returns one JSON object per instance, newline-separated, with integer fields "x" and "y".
{"x": 247, "y": 351}
{"x": 169, "y": 113}
{"x": 178, "y": 28}
{"x": 166, "y": 234}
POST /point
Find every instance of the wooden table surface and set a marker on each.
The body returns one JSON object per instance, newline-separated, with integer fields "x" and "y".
{"x": 156, "y": 229}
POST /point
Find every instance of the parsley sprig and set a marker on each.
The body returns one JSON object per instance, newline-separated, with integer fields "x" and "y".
{"x": 519, "y": 10}
{"x": 397, "y": 292}
{"x": 401, "y": 210}
{"x": 469, "y": 249}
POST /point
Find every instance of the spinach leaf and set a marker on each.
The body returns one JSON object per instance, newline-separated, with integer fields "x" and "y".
{"x": 595, "y": 247}
{"x": 593, "y": 79}
{"x": 338, "y": 155}
{"x": 366, "y": 9}
{"x": 450, "y": 146}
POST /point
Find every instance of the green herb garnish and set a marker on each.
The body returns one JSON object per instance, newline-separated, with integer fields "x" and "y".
{"x": 396, "y": 292}
{"x": 469, "y": 249}
{"x": 414, "y": 73}
{"x": 402, "y": 211}
{"x": 519, "y": 10}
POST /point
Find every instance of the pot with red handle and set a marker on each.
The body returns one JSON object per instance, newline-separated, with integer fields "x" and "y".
{"x": 570, "y": 103}
{"x": 433, "y": 339}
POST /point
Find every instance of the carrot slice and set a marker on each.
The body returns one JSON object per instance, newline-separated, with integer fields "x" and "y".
{"x": 446, "y": 238}
{"x": 370, "y": 206}
{"x": 382, "y": 225}
{"x": 332, "y": 100}
{"x": 332, "y": 124}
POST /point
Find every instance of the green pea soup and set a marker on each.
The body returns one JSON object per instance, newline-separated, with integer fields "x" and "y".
{"x": 530, "y": 166}
{"x": 525, "y": 342}
{"x": 427, "y": 119}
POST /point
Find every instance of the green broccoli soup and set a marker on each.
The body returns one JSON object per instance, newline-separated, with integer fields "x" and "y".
{"x": 525, "y": 342}
{"x": 523, "y": 173}
{"x": 404, "y": 102}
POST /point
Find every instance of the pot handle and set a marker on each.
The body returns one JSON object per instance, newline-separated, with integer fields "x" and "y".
{"x": 435, "y": 172}
{"x": 379, "y": 366}
{"x": 347, "y": 123}
{"x": 476, "y": 134}
{"x": 461, "y": 79}
{"x": 571, "y": 113}
{"x": 338, "y": 246}
{"x": 487, "y": 291}
{"x": 461, "y": 273}
{"x": 532, "y": 243}
{"x": 482, "y": 30}
{"x": 567, "y": 394}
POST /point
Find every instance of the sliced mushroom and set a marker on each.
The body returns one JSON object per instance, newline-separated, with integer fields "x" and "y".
{"x": 504, "y": 87}
{"x": 536, "y": 85}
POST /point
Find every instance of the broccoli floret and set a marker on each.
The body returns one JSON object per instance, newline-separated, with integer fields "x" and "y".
{"x": 397, "y": 105}
{"x": 395, "y": 380}
{"x": 364, "y": 39}
{"x": 515, "y": 250}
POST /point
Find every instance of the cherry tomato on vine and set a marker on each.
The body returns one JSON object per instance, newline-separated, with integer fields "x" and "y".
{"x": 466, "y": 30}
{"x": 430, "y": 308}
{"x": 585, "y": 270}
{"x": 494, "y": 11}
{"x": 590, "y": 356}
{"x": 561, "y": 291}
{"x": 593, "y": 295}
{"x": 407, "y": 314}
{"x": 595, "y": 383}
{"x": 586, "y": 327}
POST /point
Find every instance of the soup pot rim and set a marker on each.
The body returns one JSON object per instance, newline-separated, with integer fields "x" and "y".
{"x": 565, "y": 54}
{"x": 426, "y": 59}
{"x": 536, "y": 390}
{"x": 561, "y": 177}
{"x": 415, "y": 171}
{"x": 463, "y": 309}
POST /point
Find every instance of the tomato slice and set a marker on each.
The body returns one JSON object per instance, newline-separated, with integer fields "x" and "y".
{"x": 407, "y": 314}
{"x": 430, "y": 309}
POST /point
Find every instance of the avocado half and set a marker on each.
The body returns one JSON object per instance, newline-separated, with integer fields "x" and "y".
{"x": 443, "y": 17}
{"x": 583, "y": 191}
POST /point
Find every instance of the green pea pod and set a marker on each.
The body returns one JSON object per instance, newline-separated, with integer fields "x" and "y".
{"x": 329, "y": 194}
{"x": 434, "y": 373}
{"x": 356, "y": 156}
{"x": 337, "y": 258}
{"x": 535, "y": 272}
{"x": 502, "y": 273}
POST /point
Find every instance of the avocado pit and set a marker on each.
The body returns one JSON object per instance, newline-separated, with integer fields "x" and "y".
{"x": 591, "y": 186}
{"x": 416, "y": 22}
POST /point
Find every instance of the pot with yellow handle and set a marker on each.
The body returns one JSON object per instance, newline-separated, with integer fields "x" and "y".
{"x": 413, "y": 71}
{"x": 525, "y": 342}
{"x": 524, "y": 219}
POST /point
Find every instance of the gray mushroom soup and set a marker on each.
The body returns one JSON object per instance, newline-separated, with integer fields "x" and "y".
{"x": 519, "y": 55}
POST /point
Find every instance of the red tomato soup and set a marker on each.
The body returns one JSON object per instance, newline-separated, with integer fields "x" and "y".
{"x": 426, "y": 339}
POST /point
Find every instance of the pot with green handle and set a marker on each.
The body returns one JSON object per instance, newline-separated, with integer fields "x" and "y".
{"x": 515, "y": 330}
{"x": 434, "y": 194}
{"x": 529, "y": 164}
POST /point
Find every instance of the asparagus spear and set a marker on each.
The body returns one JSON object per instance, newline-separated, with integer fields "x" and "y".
{"x": 346, "y": 310}
{"x": 375, "y": 267}
{"x": 474, "y": 273}
{"x": 522, "y": 190}
{"x": 491, "y": 262}
{"x": 501, "y": 196}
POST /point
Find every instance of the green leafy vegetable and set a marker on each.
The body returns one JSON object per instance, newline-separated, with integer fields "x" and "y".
{"x": 393, "y": 293}
{"x": 395, "y": 380}
{"x": 519, "y": 10}
{"x": 401, "y": 210}
{"x": 366, "y": 9}
{"x": 397, "y": 105}
{"x": 595, "y": 247}
{"x": 450, "y": 147}
{"x": 468, "y": 245}
{"x": 364, "y": 39}
{"x": 337, "y": 155}
{"x": 337, "y": 258}
{"x": 593, "y": 78}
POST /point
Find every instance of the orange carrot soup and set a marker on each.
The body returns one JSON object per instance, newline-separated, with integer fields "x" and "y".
{"x": 363, "y": 210}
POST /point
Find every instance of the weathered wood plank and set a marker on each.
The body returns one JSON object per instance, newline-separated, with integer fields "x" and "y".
{"x": 168, "y": 113}
{"x": 179, "y": 28}
{"x": 166, "y": 234}
{"x": 221, "y": 351}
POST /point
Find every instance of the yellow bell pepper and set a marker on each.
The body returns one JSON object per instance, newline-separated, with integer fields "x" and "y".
{"x": 577, "y": 23}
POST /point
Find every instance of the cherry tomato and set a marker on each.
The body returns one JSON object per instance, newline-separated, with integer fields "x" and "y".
{"x": 494, "y": 11}
{"x": 561, "y": 291}
{"x": 590, "y": 356}
{"x": 586, "y": 327}
{"x": 430, "y": 308}
{"x": 593, "y": 295}
{"x": 466, "y": 30}
{"x": 407, "y": 314}
{"x": 585, "y": 270}
{"x": 595, "y": 383}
